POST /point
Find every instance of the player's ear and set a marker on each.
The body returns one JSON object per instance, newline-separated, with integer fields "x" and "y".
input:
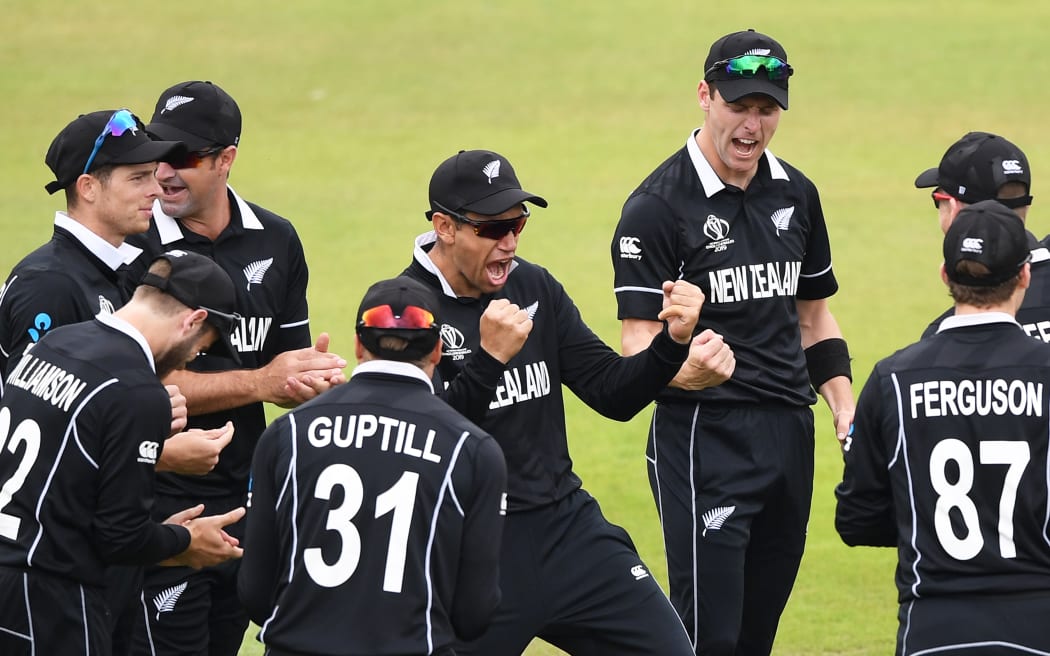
{"x": 193, "y": 321}
{"x": 359, "y": 349}
{"x": 703, "y": 95}
{"x": 444, "y": 227}
{"x": 944, "y": 274}
{"x": 435, "y": 355}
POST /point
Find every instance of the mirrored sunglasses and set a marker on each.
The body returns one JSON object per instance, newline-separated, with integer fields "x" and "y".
{"x": 411, "y": 318}
{"x": 496, "y": 229}
{"x": 120, "y": 122}
{"x": 747, "y": 66}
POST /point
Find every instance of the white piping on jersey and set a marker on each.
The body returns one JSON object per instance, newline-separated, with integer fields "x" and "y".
{"x": 445, "y": 484}
{"x": 633, "y": 288}
{"x": 84, "y": 617}
{"x": 423, "y": 257}
{"x": 976, "y": 319}
{"x": 83, "y": 451}
{"x": 111, "y": 256}
{"x": 295, "y": 324}
{"x": 145, "y": 620}
{"x": 694, "y": 524}
{"x": 169, "y": 230}
{"x": 71, "y": 426}
{"x": 1046, "y": 522}
{"x": 817, "y": 274}
{"x": 116, "y": 323}
{"x": 393, "y": 367}
{"x": 987, "y": 643}
{"x": 3, "y": 294}
{"x": 902, "y": 450}
{"x": 710, "y": 181}
{"x": 289, "y": 482}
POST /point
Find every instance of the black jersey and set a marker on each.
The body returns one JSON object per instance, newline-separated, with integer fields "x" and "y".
{"x": 262, "y": 254}
{"x": 82, "y": 423}
{"x": 1034, "y": 313}
{"x": 522, "y": 405}
{"x": 948, "y": 461}
{"x": 375, "y": 521}
{"x": 69, "y": 279}
{"x": 752, "y": 252}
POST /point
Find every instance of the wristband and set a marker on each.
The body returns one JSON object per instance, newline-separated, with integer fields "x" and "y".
{"x": 826, "y": 359}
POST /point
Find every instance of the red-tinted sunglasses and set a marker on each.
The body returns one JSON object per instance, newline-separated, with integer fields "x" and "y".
{"x": 382, "y": 316}
{"x": 192, "y": 160}
{"x": 938, "y": 196}
{"x": 497, "y": 229}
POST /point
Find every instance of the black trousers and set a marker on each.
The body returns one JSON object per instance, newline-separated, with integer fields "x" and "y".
{"x": 573, "y": 579}
{"x": 43, "y": 614}
{"x": 733, "y": 486}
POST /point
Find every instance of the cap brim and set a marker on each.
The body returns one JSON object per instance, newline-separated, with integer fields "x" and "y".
{"x": 151, "y": 151}
{"x": 171, "y": 133}
{"x": 501, "y": 201}
{"x": 735, "y": 89}
{"x": 928, "y": 178}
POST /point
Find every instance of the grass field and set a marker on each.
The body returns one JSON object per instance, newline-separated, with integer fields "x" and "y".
{"x": 348, "y": 107}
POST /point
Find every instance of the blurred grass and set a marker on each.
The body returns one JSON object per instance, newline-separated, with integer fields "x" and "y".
{"x": 349, "y": 106}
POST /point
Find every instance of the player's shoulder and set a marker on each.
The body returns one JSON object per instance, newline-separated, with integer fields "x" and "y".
{"x": 270, "y": 219}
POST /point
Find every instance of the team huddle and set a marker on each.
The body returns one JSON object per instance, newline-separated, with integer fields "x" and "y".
{"x": 426, "y": 503}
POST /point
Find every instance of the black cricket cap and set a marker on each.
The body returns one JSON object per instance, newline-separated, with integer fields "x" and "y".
{"x": 477, "y": 181}
{"x": 988, "y": 233}
{"x": 69, "y": 151}
{"x": 198, "y": 113}
{"x": 412, "y": 316}
{"x": 199, "y": 283}
{"x": 746, "y": 42}
{"x": 976, "y": 166}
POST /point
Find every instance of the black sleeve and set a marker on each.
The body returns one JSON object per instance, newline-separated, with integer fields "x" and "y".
{"x": 615, "y": 386}
{"x": 471, "y": 390}
{"x": 34, "y": 304}
{"x": 865, "y": 512}
{"x": 257, "y": 576}
{"x": 293, "y": 320}
{"x": 816, "y": 279}
{"x": 135, "y": 419}
{"x": 477, "y": 588}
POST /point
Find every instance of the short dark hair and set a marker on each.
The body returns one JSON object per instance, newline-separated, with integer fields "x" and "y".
{"x": 102, "y": 174}
{"x": 980, "y": 297}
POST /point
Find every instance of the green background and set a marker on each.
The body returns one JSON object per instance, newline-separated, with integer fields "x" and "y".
{"x": 349, "y": 106}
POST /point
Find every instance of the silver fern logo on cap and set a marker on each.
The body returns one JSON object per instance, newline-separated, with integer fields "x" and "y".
{"x": 175, "y": 101}
{"x": 491, "y": 170}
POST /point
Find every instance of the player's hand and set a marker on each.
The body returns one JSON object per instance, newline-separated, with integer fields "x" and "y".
{"x": 194, "y": 452}
{"x": 184, "y": 516}
{"x": 843, "y": 427}
{"x": 179, "y": 412}
{"x": 504, "y": 329}
{"x": 682, "y": 303}
{"x": 209, "y": 543}
{"x": 710, "y": 362}
{"x": 309, "y": 366}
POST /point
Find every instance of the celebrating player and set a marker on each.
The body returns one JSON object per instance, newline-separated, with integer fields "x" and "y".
{"x": 376, "y": 515}
{"x": 731, "y": 458}
{"x": 948, "y": 460}
{"x": 512, "y": 339}
{"x": 197, "y": 211}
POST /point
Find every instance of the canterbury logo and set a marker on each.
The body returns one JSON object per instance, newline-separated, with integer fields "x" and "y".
{"x": 531, "y": 310}
{"x": 175, "y": 101}
{"x": 1012, "y": 166}
{"x": 491, "y": 170}
{"x": 255, "y": 271}
{"x": 166, "y": 600}
{"x": 714, "y": 518}
{"x": 782, "y": 218}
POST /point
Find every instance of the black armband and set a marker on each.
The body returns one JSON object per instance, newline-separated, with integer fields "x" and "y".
{"x": 826, "y": 359}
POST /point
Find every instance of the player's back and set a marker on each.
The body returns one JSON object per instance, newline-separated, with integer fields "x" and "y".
{"x": 66, "y": 454}
{"x": 374, "y": 483}
{"x": 972, "y": 406}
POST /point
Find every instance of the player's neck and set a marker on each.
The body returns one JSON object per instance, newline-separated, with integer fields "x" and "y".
{"x": 212, "y": 218}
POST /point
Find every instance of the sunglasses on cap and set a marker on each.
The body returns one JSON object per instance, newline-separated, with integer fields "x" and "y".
{"x": 192, "y": 160}
{"x": 411, "y": 318}
{"x": 746, "y": 66}
{"x": 120, "y": 122}
{"x": 497, "y": 229}
{"x": 1013, "y": 203}
{"x": 221, "y": 320}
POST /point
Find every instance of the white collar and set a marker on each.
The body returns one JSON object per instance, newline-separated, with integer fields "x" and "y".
{"x": 169, "y": 229}
{"x": 116, "y": 323}
{"x": 112, "y": 256}
{"x": 709, "y": 179}
{"x": 392, "y": 367}
{"x": 977, "y": 319}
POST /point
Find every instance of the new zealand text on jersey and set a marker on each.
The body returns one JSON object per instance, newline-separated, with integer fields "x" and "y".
{"x": 537, "y": 383}
{"x": 394, "y": 434}
{"x": 47, "y": 381}
{"x": 250, "y": 335}
{"x": 764, "y": 280}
